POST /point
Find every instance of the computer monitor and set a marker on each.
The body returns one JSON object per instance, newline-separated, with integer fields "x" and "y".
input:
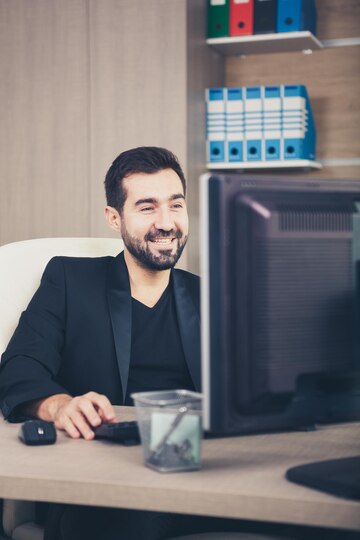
{"x": 279, "y": 329}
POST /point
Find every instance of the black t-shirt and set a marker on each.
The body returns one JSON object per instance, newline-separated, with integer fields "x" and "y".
{"x": 157, "y": 360}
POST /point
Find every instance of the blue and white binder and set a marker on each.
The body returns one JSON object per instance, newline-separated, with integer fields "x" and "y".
{"x": 260, "y": 123}
{"x": 253, "y": 116}
{"x": 272, "y": 123}
{"x": 296, "y": 15}
{"x": 215, "y": 125}
{"x": 234, "y": 107}
{"x": 299, "y": 137}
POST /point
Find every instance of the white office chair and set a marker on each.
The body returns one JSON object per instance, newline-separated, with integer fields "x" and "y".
{"x": 21, "y": 266}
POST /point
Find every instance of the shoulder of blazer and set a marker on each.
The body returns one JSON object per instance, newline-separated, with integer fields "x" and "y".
{"x": 190, "y": 281}
{"x": 82, "y": 261}
{"x": 79, "y": 271}
{"x": 81, "y": 264}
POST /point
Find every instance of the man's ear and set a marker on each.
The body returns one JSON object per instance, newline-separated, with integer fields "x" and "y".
{"x": 113, "y": 218}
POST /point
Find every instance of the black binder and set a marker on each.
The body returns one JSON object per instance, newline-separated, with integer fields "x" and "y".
{"x": 339, "y": 477}
{"x": 265, "y": 14}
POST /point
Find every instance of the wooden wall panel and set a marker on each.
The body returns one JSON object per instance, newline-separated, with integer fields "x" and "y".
{"x": 338, "y": 19}
{"x": 44, "y": 126}
{"x": 205, "y": 68}
{"x": 137, "y": 84}
{"x": 84, "y": 81}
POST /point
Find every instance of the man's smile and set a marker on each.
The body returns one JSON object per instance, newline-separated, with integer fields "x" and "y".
{"x": 164, "y": 241}
{"x": 163, "y": 245}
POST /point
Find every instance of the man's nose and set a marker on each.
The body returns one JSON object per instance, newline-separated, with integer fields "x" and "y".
{"x": 164, "y": 220}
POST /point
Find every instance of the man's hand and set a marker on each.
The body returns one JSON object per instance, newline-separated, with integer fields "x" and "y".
{"x": 75, "y": 415}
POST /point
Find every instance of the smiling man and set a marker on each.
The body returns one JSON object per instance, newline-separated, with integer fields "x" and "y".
{"x": 99, "y": 329}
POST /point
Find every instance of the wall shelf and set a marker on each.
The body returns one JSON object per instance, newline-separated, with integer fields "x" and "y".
{"x": 276, "y": 164}
{"x": 265, "y": 43}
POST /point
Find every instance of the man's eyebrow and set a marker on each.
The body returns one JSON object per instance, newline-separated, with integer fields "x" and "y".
{"x": 149, "y": 200}
{"x": 176, "y": 196}
{"x": 152, "y": 200}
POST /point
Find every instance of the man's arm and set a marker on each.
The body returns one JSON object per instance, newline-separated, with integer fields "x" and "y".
{"x": 32, "y": 359}
{"x": 29, "y": 367}
{"x": 75, "y": 415}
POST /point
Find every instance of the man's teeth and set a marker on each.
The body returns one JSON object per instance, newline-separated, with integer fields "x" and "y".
{"x": 163, "y": 240}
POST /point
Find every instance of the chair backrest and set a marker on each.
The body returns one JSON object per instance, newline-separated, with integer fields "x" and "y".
{"x": 21, "y": 267}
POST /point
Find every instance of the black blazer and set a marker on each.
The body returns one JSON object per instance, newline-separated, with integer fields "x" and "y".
{"x": 75, "y": 335}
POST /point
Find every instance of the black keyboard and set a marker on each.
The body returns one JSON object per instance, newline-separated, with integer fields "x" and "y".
{"x": 122, "y": 432}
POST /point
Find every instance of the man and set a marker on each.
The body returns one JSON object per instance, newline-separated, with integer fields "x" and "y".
{"x": 99, "y": 329}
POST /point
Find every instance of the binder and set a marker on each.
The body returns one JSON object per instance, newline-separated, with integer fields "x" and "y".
{"x": 265, "y": 16}
{"x": 241, "y": 17}
{"x": 296, "y": 15}
{"x": 272, "y": 123}
{"x": 218, "y": 18}
{"x": 299, "y": 135}
{"x": 215, "y": 125}
{"x": 253, "y": 123}
{"x": 234, "y": 107}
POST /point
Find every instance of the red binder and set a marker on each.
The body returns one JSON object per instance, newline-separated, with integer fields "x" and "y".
{"x": 241, "y": 17}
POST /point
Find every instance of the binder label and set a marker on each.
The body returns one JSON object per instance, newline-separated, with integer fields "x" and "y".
{"x": 216, "y": 136}
{"x": 235, "y": 136}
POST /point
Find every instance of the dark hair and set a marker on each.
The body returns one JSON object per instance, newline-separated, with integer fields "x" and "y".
{"x": 145, "y": 159}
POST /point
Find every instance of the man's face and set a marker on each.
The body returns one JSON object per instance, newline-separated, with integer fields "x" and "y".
{"x": 154, "y": 220}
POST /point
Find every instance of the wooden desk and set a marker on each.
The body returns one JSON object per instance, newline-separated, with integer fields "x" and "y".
{"x": 242, "y": 477}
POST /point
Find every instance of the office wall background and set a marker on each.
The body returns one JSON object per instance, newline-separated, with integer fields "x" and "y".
{"x": 83, "y": 80}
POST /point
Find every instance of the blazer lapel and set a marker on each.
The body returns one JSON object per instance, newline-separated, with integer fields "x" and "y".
{"x": 119, "y": 301}
{"x": 189, "y": 326}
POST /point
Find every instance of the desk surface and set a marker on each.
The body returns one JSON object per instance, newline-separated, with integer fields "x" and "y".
{"x": 241, "y": 477}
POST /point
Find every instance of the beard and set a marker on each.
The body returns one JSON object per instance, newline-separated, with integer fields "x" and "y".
{"x": 140, "y": 250}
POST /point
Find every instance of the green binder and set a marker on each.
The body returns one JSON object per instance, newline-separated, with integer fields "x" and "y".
{"x": 218, "y": 18}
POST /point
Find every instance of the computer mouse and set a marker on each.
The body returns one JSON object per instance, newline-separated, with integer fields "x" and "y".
{"x": 37, "y": 432}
